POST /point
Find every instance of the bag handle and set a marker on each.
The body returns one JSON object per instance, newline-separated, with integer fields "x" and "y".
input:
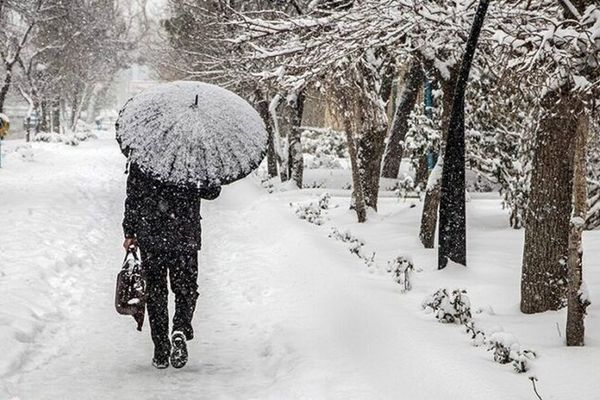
{"x": 133, "y": 250}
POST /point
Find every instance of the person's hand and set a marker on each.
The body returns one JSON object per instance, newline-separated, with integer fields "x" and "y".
{"x": 129, "y": 242}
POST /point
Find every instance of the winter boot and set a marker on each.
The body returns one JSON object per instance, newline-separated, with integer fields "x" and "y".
{"x": 161, "y": 357}
{"x": 160, "y": 362}
{"x": 179, "y": 354}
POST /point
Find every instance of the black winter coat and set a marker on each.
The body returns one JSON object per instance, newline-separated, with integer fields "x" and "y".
{"x": 163, "y": 216}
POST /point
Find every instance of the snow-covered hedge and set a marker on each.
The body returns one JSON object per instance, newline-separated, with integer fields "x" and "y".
{"x": 405, "y": 187}
{"x": 355, "y": 246}
{"x": 507, "y": 350}
{"x": 83, "y": 132}
{"x": 449, "y": 307}
{"x": 455, "y": 307}
{"x": 314, "y": 211}
{"x": 321, "y": 160}
{"x": 402, "y": 269}
{"x": 53, "y": 137}
{"x": 323, "y": 147}
{"x": 25, "y": 151}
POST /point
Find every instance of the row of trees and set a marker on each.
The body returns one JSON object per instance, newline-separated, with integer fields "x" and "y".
{"x": 527, "y": 109}
{"x": 62, "y": 56}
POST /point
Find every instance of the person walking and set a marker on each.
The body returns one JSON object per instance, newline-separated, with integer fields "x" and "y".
{"x": 184, "y": 140}
{"x": 163, "y": 220}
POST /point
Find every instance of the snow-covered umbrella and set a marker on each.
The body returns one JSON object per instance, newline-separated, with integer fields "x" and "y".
{"x": 192, "y": 133}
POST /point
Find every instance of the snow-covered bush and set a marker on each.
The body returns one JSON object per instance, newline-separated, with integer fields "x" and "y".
{"x": 402, "y": 269}
{"x": 84, "y": 131}
{"x": 455, "y": 307}
{"x": 449, "y": 307}
{"x": 405, "y": 187}
{"x": 423, "y": 135}
{"x": 324, "y": 201}
{"x": 477, "y": 335}
{"x": 355, "y": 247}
{"x": 507, "y": 349}
{"x": 25, "y": 151}
{"x": 320, "y": 160}
{"x": 477, "y": 182}
{"x": 499, "y": 133}
{"x": 323, "y": 148}
{"x": 324, "y": 141}
{"x": 345, "y": 236}
{"x": 313, "y": 211}
{"x": 53, "y": 137}
{"x": 314, "y": 185}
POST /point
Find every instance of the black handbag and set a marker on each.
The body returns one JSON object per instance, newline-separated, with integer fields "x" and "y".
{"x": 131, "y": 293}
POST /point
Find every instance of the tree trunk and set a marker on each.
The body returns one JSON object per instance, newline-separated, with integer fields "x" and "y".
{"x": 295, "y": 156}
{"x": 577, "y": 300}
{"x": 432, "y": 191}
{"x": 358, "y": 199}
{"x": 263, "y": 110}
{"x": 30, "y": 111}
{"x": 422, "y": 172}
{"x": 452, "y": 231}
{"x": 279, "y": 135}
{"x": 51, "y": 117}
{"x": 77, "y": 108}
{"x": 55, "y": 116}
{"x": 395, "y": 143}
{"x": 44, "y": 124}
{"x": 271, "y": 155}
{"x": 5, "y": 86}
{"x": 62, "y": 116}
{"x": 371, "y": 145}
{"x": 544, "y": 273}
{"x": 75, "y": 101}
{"x": 372, "y": 128}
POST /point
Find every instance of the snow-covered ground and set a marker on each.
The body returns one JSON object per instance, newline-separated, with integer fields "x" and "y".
{"x": 285, "y": 312}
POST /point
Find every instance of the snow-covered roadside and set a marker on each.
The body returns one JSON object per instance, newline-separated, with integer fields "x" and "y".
{"x": 284, "y": 311}
{"x": 56, "y": 203}
{"x": 492, "y": 281}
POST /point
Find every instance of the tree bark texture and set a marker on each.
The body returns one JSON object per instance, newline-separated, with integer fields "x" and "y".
{"x": 5, "y": 86}
{"x": 371, "y": 123}
{"x": 544, "y": 272}
{"x": 399, "y": 128}
{"x": 452, "y": 231}
{"x": 295, "y": 156}
{"x": 357, "y": 188}
{"x": 55, "y": 119}
{"x": 422, "y": 173}
{"x": 44, "y": 124}
{"x": 263, "y": 110}
{"x": 432, "y": 193}
{"x": 371, "y": 145}
{"x": 576, "y": 302}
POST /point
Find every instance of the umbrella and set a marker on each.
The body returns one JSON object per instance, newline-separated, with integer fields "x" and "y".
{"x": 192, "y": 133}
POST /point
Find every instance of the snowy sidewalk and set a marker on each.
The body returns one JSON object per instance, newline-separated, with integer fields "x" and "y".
{"x": 284, "y": 312}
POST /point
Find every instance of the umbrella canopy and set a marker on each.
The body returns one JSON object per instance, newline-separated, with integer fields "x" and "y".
{"x": 192, "y": 133}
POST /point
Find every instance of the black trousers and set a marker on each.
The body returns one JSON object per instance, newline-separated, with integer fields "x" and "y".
{"x": 182, "y": 268}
